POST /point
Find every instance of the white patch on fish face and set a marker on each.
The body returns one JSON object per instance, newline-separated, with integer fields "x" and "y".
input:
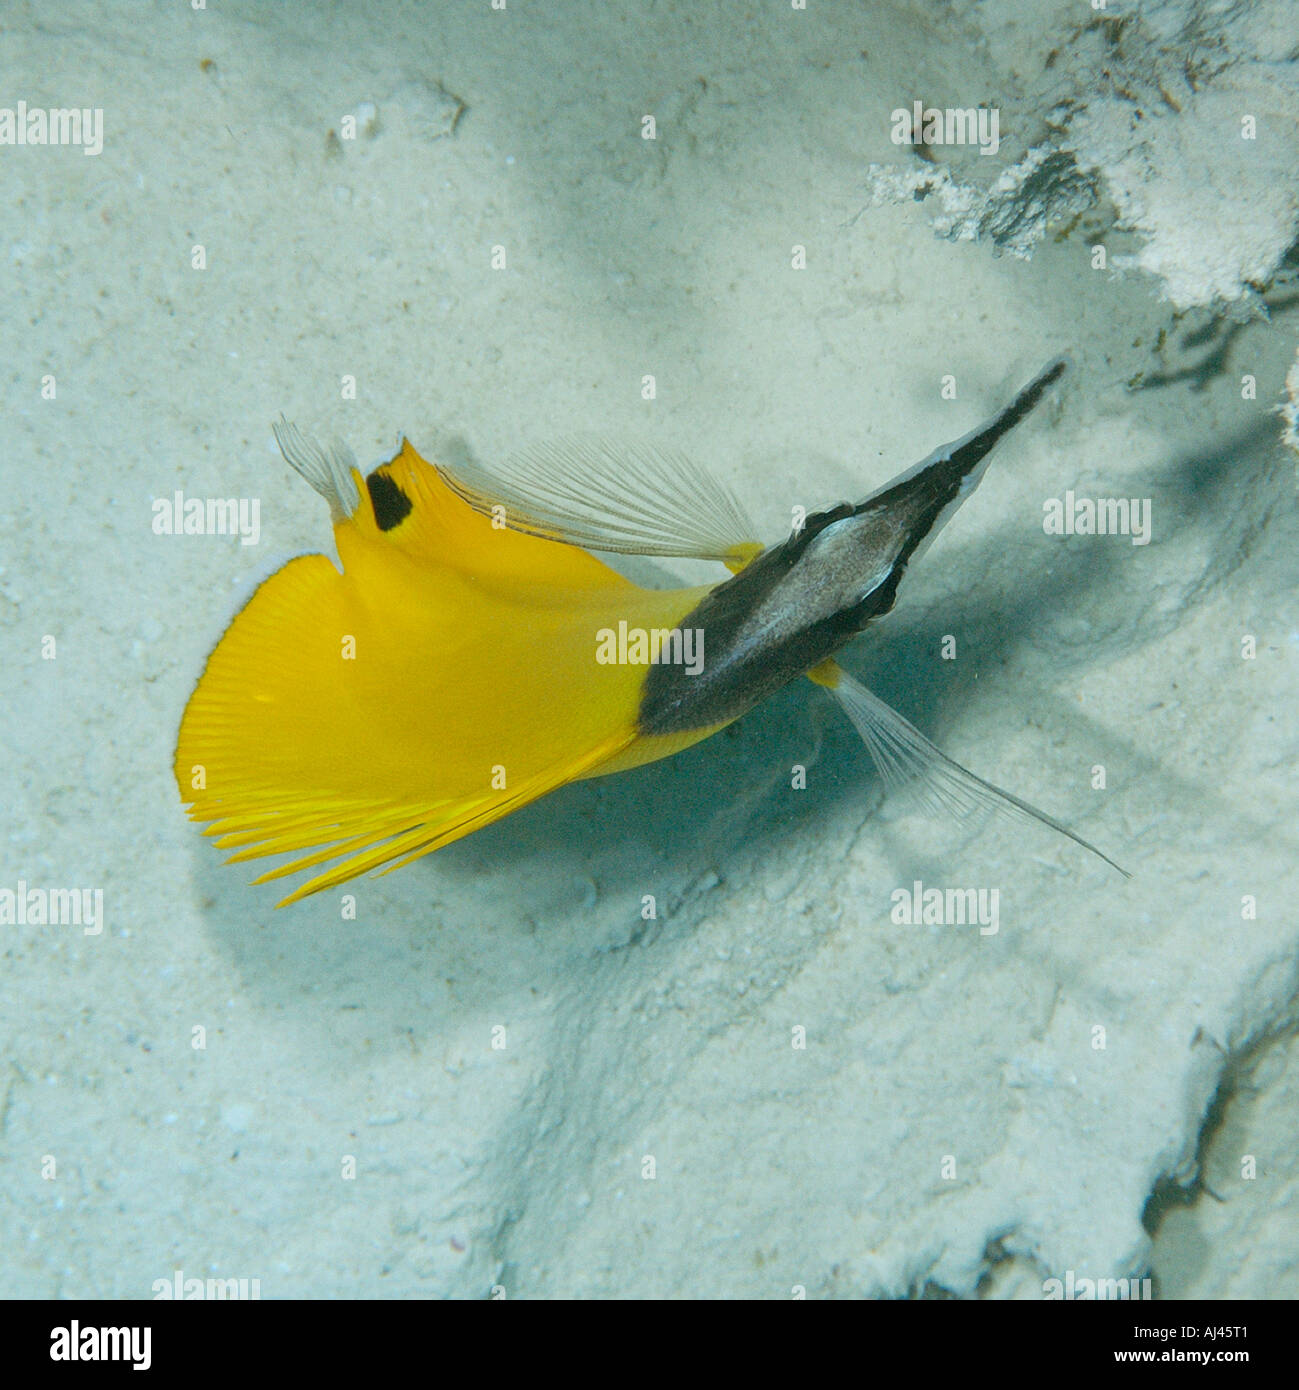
{"x": 844, "y": 563}
{"x": 850, "y": 559}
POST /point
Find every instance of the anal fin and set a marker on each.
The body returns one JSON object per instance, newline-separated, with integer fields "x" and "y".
{"x": 386, "y": 837}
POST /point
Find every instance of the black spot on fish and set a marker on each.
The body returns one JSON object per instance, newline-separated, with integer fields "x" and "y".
{"x": 390, "y": 503}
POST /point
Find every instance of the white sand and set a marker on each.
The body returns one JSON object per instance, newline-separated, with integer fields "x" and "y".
{"x": 525, "y": 1166}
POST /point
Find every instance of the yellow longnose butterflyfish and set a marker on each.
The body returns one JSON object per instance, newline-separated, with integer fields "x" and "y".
{"x": 471, "y": 654}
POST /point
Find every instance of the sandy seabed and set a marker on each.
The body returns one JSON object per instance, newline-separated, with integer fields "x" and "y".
{"x": 208, "y": 1085}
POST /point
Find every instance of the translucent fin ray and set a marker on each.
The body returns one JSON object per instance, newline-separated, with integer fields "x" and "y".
{"x": 328, "y": 469}
{"x": 905, "y": 757}
{"x": 628, "y": 499}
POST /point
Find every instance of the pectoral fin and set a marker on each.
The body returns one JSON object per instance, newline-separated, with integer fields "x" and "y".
{"x": 627, "y": 499}
{"x": 905, "y": 757}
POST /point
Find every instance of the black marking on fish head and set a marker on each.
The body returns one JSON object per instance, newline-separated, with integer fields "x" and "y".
{"x": 795, "y": 605}
{"x": 799, "y": 602}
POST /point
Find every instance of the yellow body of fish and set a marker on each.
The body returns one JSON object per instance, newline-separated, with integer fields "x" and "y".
{"x": 446, "y": 677}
